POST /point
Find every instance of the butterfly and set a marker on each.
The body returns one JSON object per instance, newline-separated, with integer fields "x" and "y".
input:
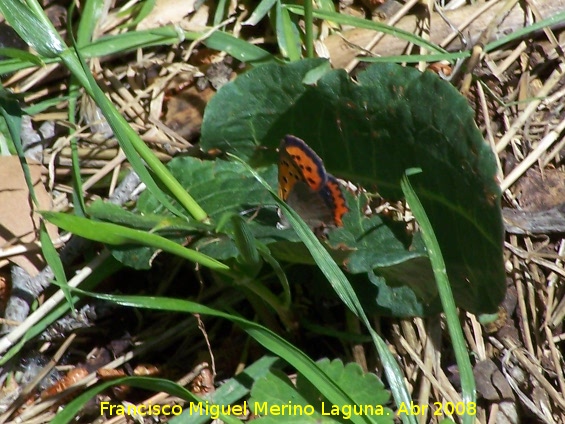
{"x": 305, "y": 185}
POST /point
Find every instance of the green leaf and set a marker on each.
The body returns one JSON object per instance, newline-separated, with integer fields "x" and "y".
{"x": 221, "y": 10}
{"x": 42, "y": 106}
{"x": 141, "y": 256}
{"x": 523, "y": 32}
{"x": 365, "y": 389}
{"x": 369, "y": 132}
{"x": 223, "y": 188}
{"x": 52, "y": 257}
{"x": 167, "y": 35}
{"x": 48, "y": 42}
{"x": 246, "y": 245}
{"x": 375, "y": 242}
{"x": 141, "y": 11}
{"x": 106, "y": 211}
{"x": 275, "y": 389}
{"x": 413, "y": 58}
{"x": 220, "y": 186}
{"x": 269, "y": 91}
{"x": 12, "y": 113}
{"x": 315, "y": 74}
{"x": 91, "y": 12}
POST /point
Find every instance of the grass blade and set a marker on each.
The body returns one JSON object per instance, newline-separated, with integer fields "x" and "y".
{"x": 446, "y": 296}
{"x": 105, "y": 232}
{"x": 260, "y": 12}
{"x": 363, "y": 23}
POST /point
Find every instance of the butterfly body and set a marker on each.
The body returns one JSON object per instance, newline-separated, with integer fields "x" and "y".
{"x": 305, "y": 185}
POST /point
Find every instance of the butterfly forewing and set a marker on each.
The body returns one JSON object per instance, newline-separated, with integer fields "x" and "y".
{"x": 305, "y": 185}
{"x": 303, "y": 162}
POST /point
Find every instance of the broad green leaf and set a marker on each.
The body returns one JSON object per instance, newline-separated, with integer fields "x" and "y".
{"x": 276, "y": 390}
{"x": 365, "y": 389}
{"x": 374, "y": 241}
{"x": 219, "y": 186}
{"x": 369, "y": 132}
{"x": 305, "y": 404}
{"x": 269, "y": 91}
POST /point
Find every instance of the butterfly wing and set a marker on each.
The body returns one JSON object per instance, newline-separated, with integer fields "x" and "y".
{"x": 305, "y": 185}
{"x": 310, "y": 205}
{"x": 298, "y": 162}
{"x": 334, "y": 199}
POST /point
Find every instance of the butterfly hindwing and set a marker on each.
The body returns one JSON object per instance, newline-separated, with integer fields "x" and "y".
{"x": 333, "y": 197}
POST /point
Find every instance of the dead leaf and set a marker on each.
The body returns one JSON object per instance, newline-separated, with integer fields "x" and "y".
{"x": 72, "y": 377}
{"x": 491, "y": 383}
{"x": 185, "y": 111}
{"x": 167, "y": 12}
{"x": 539, "y": 191}
{"x": 18, "y": 222}
{"x": 5, "y": 289}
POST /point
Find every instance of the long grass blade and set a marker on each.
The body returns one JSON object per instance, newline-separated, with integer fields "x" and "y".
{"x": 446, "y": 296}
